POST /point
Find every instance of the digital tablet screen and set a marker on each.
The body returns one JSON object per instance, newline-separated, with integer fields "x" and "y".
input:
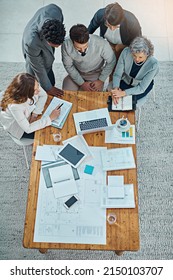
{"x": 71, "y": 154}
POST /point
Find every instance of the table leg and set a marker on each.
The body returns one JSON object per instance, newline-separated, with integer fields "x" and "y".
{"x": 119, "y": 253}
{"x": 43, "y": 251}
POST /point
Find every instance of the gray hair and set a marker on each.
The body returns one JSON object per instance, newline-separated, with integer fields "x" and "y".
{"x": 142, "y": 44}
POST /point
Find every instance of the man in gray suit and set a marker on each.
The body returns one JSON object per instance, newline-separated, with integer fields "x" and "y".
{"x": 88, "y": 60}
{"x": 43, "y": 33}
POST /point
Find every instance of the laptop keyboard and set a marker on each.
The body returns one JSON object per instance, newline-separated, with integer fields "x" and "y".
{"x": 93, "y": 124}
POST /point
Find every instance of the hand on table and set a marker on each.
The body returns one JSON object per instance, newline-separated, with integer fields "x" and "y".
{"x": 97, "y": 85}
{"x": 33, "y": 118}
{"x": 86, "y": 86}
{"x": 55, "y": 92}
{"x": 116, "y": 94}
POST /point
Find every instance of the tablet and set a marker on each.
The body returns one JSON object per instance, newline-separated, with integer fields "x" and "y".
{"x": 71, "y": 155}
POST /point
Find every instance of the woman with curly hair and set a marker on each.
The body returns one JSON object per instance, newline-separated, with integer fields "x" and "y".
{"x": 135, "y": 71}
{"x": 21, "y": 103}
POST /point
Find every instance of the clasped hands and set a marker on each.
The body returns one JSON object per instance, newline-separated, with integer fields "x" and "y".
{"x": 116, "y": 94}
{"x": 92, "y": 86}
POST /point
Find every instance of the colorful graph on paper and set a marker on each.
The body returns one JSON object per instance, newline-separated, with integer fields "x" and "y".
{"x": 114, "y": 136}
{"x": 128, "y": 134}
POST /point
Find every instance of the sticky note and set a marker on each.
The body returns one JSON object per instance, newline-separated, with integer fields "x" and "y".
{"x": 89, "y": 169}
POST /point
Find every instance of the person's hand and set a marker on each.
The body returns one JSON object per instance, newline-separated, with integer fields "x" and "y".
{"x": 117, "y": 92}
{"x": 86, "y": 86}
{"x": 55, "y": 113}
{"x": 97, "y": 85}
{"x": 33, "y": 118}
{"x": 55, "y": 92}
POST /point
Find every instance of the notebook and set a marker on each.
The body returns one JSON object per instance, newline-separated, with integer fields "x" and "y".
{"x": 65, "y": 110}
{"x": 92, "y": 121}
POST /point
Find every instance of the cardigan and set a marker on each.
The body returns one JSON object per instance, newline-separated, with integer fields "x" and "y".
{"x": 129, "y": 27}
{"x": 144, "y": 77}
{"x": 15, "y": 118}
{"x": 99, "y": 58}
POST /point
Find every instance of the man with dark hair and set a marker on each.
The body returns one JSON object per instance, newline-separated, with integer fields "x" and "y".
{"x": 88, "y": 60}
{"x": 43, "y": 33}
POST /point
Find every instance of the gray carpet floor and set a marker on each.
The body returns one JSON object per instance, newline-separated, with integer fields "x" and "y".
{"x": 155, "y": 179}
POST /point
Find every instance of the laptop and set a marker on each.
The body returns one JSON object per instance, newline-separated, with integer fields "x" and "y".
{"x": 92, "y": 121}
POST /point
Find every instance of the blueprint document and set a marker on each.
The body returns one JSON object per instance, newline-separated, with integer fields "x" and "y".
{"x": 85, "y": 221}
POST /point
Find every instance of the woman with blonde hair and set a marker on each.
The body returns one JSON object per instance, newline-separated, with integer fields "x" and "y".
{"x": 21, "y": 103}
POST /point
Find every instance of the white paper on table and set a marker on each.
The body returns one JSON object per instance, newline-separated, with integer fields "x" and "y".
{"x": 115, "y": 180}
{"x": 114, "y": 136}
{"x": 45, "y": 153}
{"x": 63, "y": 181}
{"x": 127, "y": 202}
{"x": 118, "y": 159}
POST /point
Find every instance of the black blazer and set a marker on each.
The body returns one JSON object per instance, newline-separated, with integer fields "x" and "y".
{"x": 129, "y": 27}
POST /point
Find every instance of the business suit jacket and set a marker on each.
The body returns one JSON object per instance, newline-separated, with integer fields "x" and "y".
{"x": 38, "y": 54}
{"x": 129, "y": 27}
{"x": 99, "y": 59}
{"x": 144, "y": 77}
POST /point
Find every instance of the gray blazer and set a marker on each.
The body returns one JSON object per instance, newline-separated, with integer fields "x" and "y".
{"x": 38, "y": 54}
{"x": 144, "y": 77}
{"x": 99, "y": 58}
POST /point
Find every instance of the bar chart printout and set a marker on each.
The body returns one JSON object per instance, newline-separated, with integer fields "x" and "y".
{"x": 114, "y": 136}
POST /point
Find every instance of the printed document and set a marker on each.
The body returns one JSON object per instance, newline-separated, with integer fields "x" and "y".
{"x": 85, "y": 221}
{"x": 127, "y": 201}
{"x": 117, "y": 159}
{"x": 114, "y": 136}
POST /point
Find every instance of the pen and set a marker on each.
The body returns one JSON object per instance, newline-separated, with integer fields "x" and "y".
{"x": 62, "y": 181}
{"x": 60, "y": 106}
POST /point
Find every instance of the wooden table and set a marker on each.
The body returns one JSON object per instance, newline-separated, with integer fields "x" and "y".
{"x": 122, "y": 236}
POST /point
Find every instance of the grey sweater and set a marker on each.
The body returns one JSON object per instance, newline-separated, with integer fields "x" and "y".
{"x": 99, "y": 58}
{"x": 144, "y": 77}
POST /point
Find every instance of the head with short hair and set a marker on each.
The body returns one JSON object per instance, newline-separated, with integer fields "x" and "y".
{"x": 142, "y": 45}
{"x": 20, "y": 89}
{"x": 79, "y": 33}
{"x": 53, "y": 31}
{"x": 114, "y": 14}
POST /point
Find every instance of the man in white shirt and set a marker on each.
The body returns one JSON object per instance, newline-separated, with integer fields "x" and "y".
{"x": 88, "y": 60}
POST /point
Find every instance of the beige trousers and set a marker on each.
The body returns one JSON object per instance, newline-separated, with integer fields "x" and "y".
{"x": 69, "y": 84}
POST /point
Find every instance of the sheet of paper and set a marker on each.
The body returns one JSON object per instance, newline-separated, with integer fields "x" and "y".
{"x": 63, "y": 181}
{"x": 45, "y": 153}
{"x": 117, "y": 159}
{"x": 116, "y": 180}
{"x": 85, "y": 222}
{"x": 127, "y": 202}
{"x": 114, "y": 136}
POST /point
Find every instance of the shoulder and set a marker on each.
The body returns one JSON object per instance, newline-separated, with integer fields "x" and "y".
{"x": 153, "y": 62}
{"x": 100, "y": 13}
{"x": 98, "y": 40}
{"x": 67, "y": 44}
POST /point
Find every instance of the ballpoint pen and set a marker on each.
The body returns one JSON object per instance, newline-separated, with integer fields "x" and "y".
{"x": 60, "y": 106}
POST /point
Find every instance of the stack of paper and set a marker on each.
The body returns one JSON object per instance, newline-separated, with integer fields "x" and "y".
{"x": 63, "y": 181}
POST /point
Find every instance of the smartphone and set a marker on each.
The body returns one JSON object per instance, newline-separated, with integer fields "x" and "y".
{"x": 71, "y": 201}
